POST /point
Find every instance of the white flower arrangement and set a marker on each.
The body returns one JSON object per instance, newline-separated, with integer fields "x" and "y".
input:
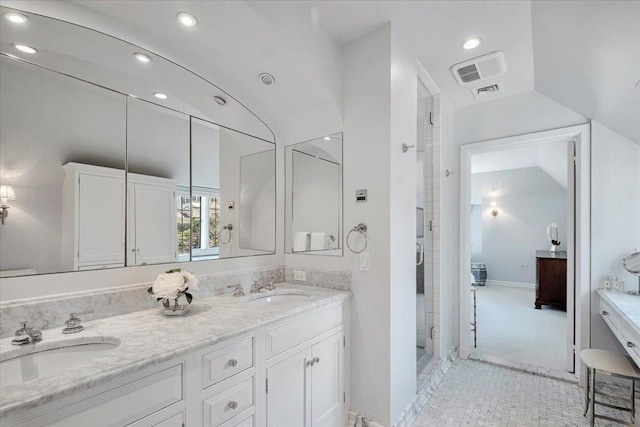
{"x": 173, "y": 284}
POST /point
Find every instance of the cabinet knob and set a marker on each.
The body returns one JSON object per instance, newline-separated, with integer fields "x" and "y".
{"x": 233, "y": 404}
{"x": 233, "y": 363}
{"x": 309, "y": 362}
{"x": 316, "y": 360}
{"x": 604, "y": 312}
{"x": 630, "y": 344}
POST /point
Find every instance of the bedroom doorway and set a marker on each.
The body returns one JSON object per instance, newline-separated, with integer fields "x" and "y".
{"x": 519, "y": 250}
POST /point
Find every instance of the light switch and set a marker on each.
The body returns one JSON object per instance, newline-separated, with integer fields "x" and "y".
{"x": 365, "y": 261}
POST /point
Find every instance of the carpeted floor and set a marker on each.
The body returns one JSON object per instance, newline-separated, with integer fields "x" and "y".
{"x": 510, "y": 328}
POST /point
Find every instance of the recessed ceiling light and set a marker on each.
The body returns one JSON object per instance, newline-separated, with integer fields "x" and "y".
{"x": 471, "y": 43}
{"x": 267, "y": 79}
{"x": 16, "y": 18}
{"x": 187, "y": 19}
{"x": 25, "y": 49}
{"x": 220, "y": 100}
{"x": 142, "y": 57}
{"x": 327, "y": 138}
{"x": 160, "y": 95}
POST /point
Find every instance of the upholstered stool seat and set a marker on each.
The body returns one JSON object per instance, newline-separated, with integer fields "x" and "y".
{"x": 614, "y": 364}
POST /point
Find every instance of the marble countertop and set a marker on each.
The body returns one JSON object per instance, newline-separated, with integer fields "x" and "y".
{"x": 627, "y": 305}
{"x": 147, "y": 338}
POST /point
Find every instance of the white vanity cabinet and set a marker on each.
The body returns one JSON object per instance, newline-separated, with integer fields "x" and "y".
{"x": 306, "y": 389}
{"x": 93, "y": 212}
{"x": 289, "y": 373}
{"x": 305, "y": 383}
{"x": 152, "y": 236}
{"x": 93, "y": 200}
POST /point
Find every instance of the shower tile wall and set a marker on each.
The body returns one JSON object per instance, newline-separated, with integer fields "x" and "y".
{"x": 432, "y": 210}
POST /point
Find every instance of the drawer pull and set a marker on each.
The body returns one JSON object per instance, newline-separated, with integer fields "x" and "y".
{"x": 233, "y": 404}
{"x": 233, "y": 363}
{"x": 630, "y": 344}
{"x": 604, "y": 312}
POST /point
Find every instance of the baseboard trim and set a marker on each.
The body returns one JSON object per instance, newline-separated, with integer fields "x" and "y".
{"x": 511, "y": 284}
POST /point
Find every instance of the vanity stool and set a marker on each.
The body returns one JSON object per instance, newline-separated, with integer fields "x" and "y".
{"x": 614, "y": 364}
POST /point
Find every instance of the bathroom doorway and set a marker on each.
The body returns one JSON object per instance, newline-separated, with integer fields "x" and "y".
{"x": 424, "y": 230}
{"x": 518, "y": 213}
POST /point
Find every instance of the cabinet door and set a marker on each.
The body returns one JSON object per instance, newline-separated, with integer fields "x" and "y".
{"x": 327, "y": 383}
{"x": 287, "y": 392}
{"x": 100, "y": 220}
{"x": 155, "y": 224}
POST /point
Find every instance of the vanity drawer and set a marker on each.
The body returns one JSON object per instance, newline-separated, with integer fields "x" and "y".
{"x": 226, "y": 362}
{"x": 610, "y": 316}
{"x": 301, "y": 330}
{"x": 119, "y": 406}
{"x": 242, "y": 422}
{"x": 228, "y": 403}
{"x": 630, "y": 341}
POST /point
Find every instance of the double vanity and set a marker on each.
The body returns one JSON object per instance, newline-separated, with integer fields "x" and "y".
{"x": 273, "y": 358}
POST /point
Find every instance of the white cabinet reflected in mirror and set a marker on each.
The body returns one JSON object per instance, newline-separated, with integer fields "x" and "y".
{"x": 314, "y": 196}
{"x": 105, "y": 173}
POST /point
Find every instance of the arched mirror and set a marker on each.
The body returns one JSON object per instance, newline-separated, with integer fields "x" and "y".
{"x": 113, "y": 156}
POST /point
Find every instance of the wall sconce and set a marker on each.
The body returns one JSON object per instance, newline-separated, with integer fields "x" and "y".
{"x": 494, "y": 209}
{"x": 6, "y": 194}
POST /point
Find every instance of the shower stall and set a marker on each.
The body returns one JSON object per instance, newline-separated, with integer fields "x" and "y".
{"x": 425, "y": 229}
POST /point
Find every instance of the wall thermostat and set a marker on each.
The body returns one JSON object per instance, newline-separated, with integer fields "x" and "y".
{"x": 230, "y": 205}
{"x": 361, "y": 196}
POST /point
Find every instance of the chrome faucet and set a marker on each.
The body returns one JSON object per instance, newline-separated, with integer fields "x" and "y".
{"x": 255, "y": 288}
{"x": 26, "y": 335}
{"x": 73, "y": 324}
{"x": 269, "y": 286}
{"x": 238, "y": 292}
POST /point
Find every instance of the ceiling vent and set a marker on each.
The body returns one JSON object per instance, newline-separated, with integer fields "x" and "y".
{"x": 482, "y": 67}
{"x": 492, "y": 89}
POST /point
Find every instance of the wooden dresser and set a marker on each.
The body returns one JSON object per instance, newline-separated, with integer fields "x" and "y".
{"x": 551, "y": 279}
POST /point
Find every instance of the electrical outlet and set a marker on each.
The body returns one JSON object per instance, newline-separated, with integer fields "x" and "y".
{"x": 524, "y": 265}
{"x": 299, "y": 275}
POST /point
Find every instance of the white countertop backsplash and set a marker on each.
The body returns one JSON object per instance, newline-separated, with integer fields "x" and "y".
{"x": 147, "y": 338}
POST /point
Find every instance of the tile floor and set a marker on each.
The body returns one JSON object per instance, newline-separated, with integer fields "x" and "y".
{"x": 480, "y": 394}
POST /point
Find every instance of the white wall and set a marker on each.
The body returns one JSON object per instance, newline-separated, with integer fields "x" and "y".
{"x": 615, "y": 217}
{"x": 68, "y": 120}
{"x": 476, "y": 232}
{"x": 511, "y": 239}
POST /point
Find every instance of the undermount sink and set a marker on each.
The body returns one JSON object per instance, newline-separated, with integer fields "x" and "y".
{"x": 279, "y": 298}
{"x": 41, "y": 363}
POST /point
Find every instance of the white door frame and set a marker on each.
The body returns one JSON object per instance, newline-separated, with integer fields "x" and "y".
{"x": 581, "y": 134}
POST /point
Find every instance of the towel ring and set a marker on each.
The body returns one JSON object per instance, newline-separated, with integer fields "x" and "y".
{"x": 227, "y": 227}
{"x": 362, "y": 229}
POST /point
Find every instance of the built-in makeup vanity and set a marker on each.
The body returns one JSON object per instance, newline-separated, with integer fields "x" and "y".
{"x": 269, "y": 359}
{"x": 621, "y": 313}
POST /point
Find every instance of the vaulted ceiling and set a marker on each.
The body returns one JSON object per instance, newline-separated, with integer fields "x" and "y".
{"x": 582, "y": 54}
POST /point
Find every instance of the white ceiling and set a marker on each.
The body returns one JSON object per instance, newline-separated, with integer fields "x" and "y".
{"x": 550, "y": 157}
{"x": 587, "y": 57}
{"x": 527, "y": 181}
{"x": 438, "y": 29}
{"x": 586, "y": 52}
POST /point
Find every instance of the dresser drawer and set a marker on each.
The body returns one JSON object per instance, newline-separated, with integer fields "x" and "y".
{"x": 226, "y": 362}
{"x": 301, "y": 330}
{"x": 228, "y": 403}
